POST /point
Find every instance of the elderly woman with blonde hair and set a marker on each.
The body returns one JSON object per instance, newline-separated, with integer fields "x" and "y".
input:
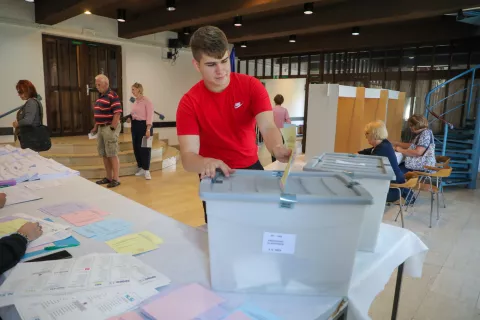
{"x": 376, "y": 134}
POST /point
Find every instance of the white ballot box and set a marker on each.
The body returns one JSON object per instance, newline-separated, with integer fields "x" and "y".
{"x": 374, "y": 174}
{"x": 302, "y": 241}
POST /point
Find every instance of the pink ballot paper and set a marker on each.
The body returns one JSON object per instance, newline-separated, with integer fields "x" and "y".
{"x": 82, "y": 218}
{"x": 185, "y": 303}
{"x": 238, "y": 315}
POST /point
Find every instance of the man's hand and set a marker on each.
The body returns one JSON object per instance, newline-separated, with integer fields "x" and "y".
{"x": 94, "y": 130}
{"x": 33, "y": 230}
{"x": 281, "y": 153}
{"x": 210, "y": 167}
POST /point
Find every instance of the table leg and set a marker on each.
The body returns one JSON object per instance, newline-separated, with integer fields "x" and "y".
{"x": 398, "y": 287}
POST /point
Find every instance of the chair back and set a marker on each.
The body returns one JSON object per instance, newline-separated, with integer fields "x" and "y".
{"x": 442, "y": 160}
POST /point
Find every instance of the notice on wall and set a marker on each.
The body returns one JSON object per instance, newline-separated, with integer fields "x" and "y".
{"x": 279, "y": 243}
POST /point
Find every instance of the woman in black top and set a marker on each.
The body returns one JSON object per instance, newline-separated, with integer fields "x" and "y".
{"x": 13, "y": 247}
{"x": 377, "y": 134}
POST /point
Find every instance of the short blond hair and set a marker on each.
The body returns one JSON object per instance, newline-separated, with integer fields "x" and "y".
{"x": 138, "y": 86}
{"x": 103, "y": 78}
{"x": 417, "y": 122}
{"x": 376, "y": 130}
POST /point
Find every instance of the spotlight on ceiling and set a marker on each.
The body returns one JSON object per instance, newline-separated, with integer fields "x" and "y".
{"x": 243, "y": 44}
{"x": 308, "y": 8}
{"x": 292, "y": 38}
{"x": 187, "y": 31}
{"x": 237, "y": 21}
{"x": 121, "y": 15}
{"x": 460, "y": 15}
{"x": 171, "y": 5}
{"x": 30, "y": 0}
{"x": 355, "y": 31}
{"x": 87, "y": 12}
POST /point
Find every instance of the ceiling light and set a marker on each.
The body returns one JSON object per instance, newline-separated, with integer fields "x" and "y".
{"x": 292, "y": 38}
{"x": 243, "y": 44}
{"x": 308, "y": 8}
{"x": 87, "y": 12}
{"x": 355, "y": 31}
{"x": 460, "y": 15}
{"x": 171, "y": 5}
{"x": 121, "y": 15}
{"x": 237, "y": 21}
{"x": 30, "y": 0}
{"x": 187, "y": 31}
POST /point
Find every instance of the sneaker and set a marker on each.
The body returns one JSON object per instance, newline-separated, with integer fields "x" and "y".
{"x": 113, "y": 184}
{"x": 148, "y": 176}
{"x": 140, "y": 172}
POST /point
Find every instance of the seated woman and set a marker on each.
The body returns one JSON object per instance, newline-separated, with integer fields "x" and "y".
{"x": 420, "y": 152}
{"x": 377, "y": 134}
{"x": 13, "y": 247}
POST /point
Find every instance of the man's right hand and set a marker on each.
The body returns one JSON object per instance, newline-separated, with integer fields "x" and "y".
{"x": 94, "y": 130}
{"x": 33, "y": 230}
{"x": 211, "y": 166}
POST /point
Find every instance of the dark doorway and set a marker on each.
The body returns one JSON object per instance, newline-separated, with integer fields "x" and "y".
{"x": 70, "y": 67}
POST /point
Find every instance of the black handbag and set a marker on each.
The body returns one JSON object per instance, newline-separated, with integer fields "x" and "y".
{"x": 35, "y": 138}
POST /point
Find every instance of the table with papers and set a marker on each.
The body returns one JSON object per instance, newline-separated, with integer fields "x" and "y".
{"x": 182, "y": 252}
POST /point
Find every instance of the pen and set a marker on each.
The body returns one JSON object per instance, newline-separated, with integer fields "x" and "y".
{"x": 60, "y": 247}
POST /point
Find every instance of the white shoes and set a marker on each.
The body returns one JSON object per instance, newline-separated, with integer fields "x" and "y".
{"x": 147, "y": 175}
{"x": 140, "y": 172}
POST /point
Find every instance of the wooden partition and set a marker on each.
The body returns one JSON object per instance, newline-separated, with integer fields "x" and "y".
{"x": 376, "y": 101}
{"x": 396, "y": 106}
{"x": 350, "y": 115}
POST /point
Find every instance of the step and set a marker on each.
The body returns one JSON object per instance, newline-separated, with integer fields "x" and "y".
{"x": 92, "y": 159}
{"x": 459, "y": 151}
{"x": 463, "y": 141}
{"x": 448, "y": 182}
{"x": 464, "y": 162}
{"x": 170, "y": 158}
{"x": 81, "y": 144}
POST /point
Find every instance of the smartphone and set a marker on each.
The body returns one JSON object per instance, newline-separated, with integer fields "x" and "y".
{"x": 54, "y": 256}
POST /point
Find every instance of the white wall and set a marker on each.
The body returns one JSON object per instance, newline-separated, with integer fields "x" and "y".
{"x": 21, "y": 58}
{"x": 292, "y": 90}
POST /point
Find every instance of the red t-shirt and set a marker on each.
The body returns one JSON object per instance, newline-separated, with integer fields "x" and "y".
{"x": 225, "y": 121}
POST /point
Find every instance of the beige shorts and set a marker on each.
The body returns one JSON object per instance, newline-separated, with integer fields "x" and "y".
{"x": 107, "y": 141}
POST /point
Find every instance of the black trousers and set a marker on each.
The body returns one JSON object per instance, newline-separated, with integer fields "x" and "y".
{"x": 256, "y": 166}
{"x": 142, "y": 155}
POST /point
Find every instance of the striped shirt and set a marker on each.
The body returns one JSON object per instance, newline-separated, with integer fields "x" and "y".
{"x": 106, "y": 106}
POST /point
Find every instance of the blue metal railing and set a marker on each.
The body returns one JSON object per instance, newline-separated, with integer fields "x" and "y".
{"x": 9, "y": 112}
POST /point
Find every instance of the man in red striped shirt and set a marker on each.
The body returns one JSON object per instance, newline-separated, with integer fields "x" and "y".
{"x": 107, "y": 111}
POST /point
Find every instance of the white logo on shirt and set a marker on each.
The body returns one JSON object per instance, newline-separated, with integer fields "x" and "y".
{"x": 238, "y": 105}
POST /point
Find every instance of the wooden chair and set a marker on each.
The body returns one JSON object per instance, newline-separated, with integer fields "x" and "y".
{"x": 435, "y": 190}
{"x": 409, "y": 184}
{"x": 442, "y": 161}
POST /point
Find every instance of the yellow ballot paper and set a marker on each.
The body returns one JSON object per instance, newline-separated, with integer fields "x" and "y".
{"x": 289, "y": 133}
{"x": 135, "y": 243}
{"x": 11, "y": 226}
{"x": 283, "y": 181}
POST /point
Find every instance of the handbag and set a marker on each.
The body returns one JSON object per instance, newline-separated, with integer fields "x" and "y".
{"x": 427, "y": 159}
{"x": 35, "y": 138}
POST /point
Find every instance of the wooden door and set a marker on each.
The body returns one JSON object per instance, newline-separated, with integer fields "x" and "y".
{"x": 70, "y": 67}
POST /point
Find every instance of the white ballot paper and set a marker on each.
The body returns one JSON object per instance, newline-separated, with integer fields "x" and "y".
{"x": 147, "y": 142}
{"x": 18, "y": 194}
{"x": 92, "y": 136}
{"x": 98, "y": 304}
{"x": 92, "y": 271}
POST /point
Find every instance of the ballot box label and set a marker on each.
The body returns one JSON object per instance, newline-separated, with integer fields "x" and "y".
{"x": 279, "y": 243}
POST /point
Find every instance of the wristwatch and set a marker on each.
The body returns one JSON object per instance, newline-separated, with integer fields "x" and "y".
{"x": 23, "y": 236}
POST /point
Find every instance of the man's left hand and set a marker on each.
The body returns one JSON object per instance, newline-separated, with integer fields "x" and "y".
{"x": 281, "y": 153}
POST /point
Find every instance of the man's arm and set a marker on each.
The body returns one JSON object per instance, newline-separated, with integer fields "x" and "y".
{"x": 272, "y": 136}
{"x": 193, "y": 162}
{"x": 116, "y": 119}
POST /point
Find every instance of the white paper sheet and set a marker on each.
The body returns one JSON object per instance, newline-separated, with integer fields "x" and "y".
{"x": 41, "y": 184}
{"x": 18, "y": 194}
{"x": 147, "y": 142}
{"x": 51, "y": 231}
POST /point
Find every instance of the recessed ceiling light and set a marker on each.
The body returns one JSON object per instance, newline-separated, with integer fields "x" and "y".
{"x": 187, "y": 31}
{"x": 87, "y": 12}
{"x": 171, "y": 5}
{"x": 292, "y": 38}
{"x": 308, "y": 8}
{"x": 243, "y": 44}
{"x": 355, "y": 31}
{"x": 121, "y": 15}
{"x": 30, "y": 0}
{"x": 237, "y": 21}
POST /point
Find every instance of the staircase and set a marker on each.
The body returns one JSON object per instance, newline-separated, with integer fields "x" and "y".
{"x": 458, "y": 139}
{"x": 81, "y": 154}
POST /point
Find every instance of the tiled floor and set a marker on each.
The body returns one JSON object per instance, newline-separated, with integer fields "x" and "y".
{"x": 450, "y": 286}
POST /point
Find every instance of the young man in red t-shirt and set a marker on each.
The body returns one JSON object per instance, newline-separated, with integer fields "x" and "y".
{"x": 216, "y": 118}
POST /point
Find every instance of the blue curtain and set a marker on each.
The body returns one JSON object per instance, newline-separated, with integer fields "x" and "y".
{"x": 232, "y": 59}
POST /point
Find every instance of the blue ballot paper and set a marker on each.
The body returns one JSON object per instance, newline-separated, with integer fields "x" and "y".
{"x": 64, "y": 242}
{"x": 105, "y": 230}
{"x": 255, "y": 313}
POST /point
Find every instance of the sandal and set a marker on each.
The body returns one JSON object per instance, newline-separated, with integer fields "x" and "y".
{"x": 103, "y": 181}
{"x": 113, "y": 184}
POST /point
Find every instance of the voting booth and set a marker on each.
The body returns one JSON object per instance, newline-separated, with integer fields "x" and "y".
{"x": 374, "y": 174}
{"x": 301, "y": 241}
{"x": 337, "y": 116}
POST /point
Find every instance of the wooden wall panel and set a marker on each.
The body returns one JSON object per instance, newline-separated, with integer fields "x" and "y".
{"x": 375, "y": 109}
{"x": 395, "y": 117}
{"x": 350, "y": 114}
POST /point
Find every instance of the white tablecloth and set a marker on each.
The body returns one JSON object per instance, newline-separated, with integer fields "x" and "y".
{"x": 183, "y": 256}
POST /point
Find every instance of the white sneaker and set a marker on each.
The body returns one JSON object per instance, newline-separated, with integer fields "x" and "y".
{"x": 140, "y": 172}
{"x": 148, "y": 176}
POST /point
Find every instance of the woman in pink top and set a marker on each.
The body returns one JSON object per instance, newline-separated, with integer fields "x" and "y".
{"x": 280, "y": 115}
{"x": 142, "y": 118}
